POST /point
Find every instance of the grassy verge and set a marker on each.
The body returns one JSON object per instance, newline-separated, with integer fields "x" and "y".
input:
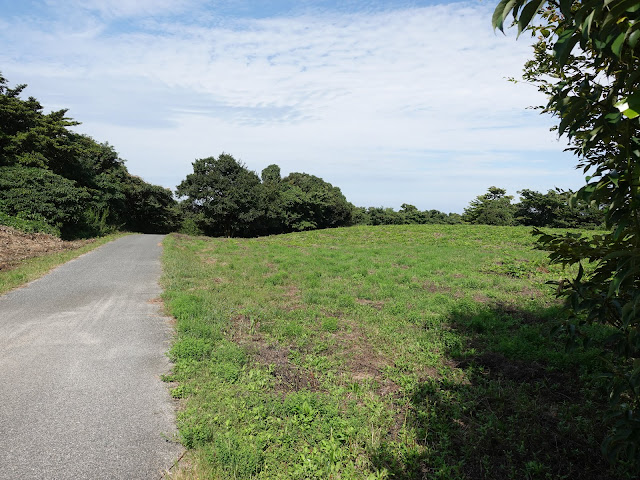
{"x": 35, "y": 267}
{"x": 378, "y": 352}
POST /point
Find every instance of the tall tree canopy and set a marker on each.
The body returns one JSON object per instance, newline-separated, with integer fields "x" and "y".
{"x": 76, "y": 185}
{"x": 224, "y": 194}
{"x": 586, "y": 59}
{"x": 492, "y": 208}
{"x": 314, "y": 203}
{"x": 223, "y": 197}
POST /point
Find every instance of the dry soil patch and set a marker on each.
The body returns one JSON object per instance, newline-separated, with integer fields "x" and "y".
{"x": 16, "y": 246}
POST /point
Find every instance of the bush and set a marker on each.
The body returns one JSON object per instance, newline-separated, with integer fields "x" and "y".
{"x": 28, "y": 223}
{"x": 94, "y": 223}
{"x": 42, "y": 195}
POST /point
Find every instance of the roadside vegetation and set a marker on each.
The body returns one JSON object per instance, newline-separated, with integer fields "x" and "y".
{"x": 25, "y": 257}
{"x": 379, "y": 352}
{"x": 56, "y": 181}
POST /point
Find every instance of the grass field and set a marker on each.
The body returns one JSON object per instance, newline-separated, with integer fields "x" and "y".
{"x": 378, "y": 352}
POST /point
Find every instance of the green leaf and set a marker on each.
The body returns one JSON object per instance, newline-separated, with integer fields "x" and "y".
{"x": 630, "y": 106}
{"x": 614, "y": 177}
{"x": 616, "y": 46}
{"x": 501, "y": 11}
{"x": 527, "y": 14}
{"x": 563, "y": 47}
{"x": 586, "y": 26}
{"x": 565, "y": 7}
{"x": 580, "y": 272}
{"x": 613, "y": 117}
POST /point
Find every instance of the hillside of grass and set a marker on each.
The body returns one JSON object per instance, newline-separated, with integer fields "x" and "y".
{"x": 378, "y": 352}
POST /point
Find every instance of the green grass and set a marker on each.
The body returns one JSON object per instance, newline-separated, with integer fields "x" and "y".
{"x": 33, "y": 268}
{"x": 378, "y": 352}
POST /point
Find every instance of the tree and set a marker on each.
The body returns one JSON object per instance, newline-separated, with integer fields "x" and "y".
{"x": 271, "y": 175}
{"x": 492, "y": 208}
{"x": 383, "y": 216}
{"x": 224, "y": 198}
{"x": 542, "y": 210}
{"x": 224, "y": 193}
{"x": 311, "y": 203}
{"x": 151, "y": 208}
{"x": 274, "y": 220}
{"x": 30, "y": 138}
{"x": 586, "y": 60}
{"x": 555, "y": 209}
{"x": 69, "y": 180}
{"x": 411, "y": 215}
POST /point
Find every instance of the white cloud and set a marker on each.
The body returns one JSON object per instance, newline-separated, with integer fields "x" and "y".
{"x": 111, "y": 9}
{"x": 419, "y": 92}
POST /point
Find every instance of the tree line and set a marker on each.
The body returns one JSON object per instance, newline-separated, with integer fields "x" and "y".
{"x": 556, "y": 209}
{"x": 61, "y": 182}
{"x": 222, "y": 197}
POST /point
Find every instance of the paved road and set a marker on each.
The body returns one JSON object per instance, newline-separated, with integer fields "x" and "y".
{"x": 81, "y": 352}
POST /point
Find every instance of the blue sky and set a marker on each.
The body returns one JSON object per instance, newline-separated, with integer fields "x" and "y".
{"x": 393, "y": 102}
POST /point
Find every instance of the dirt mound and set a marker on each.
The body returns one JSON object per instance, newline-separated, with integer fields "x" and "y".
{"x": 16, "y": 246}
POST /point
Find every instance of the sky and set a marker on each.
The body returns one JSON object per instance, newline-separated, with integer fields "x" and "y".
{"x": 391, "y": 101}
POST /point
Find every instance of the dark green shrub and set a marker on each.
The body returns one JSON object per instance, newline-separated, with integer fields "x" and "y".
{"x": 29, "y": 223}
{"x": 35, "y": 191}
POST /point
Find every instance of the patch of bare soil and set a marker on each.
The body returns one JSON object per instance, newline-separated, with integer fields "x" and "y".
{"x": 289, "y": 377}
{"x": 481, "y": 298}
{"x": 362, "y": 362}
{"x": 375, "y": 304}
{"x": 432, "y": 287}
{"x": 292, "y": 299}
{"x": 16, "y": 246}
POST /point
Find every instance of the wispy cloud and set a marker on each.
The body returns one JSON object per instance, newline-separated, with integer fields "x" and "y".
{"x": 417, "y": 91}
{"x": 113, "y": 9}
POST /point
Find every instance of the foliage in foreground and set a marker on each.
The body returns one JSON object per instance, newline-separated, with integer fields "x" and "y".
{"x": 379, "y": 352}
{"x": 587, "y": 62}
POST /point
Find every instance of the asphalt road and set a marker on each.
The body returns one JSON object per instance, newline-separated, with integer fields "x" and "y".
{"x": 81, "y": 354}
